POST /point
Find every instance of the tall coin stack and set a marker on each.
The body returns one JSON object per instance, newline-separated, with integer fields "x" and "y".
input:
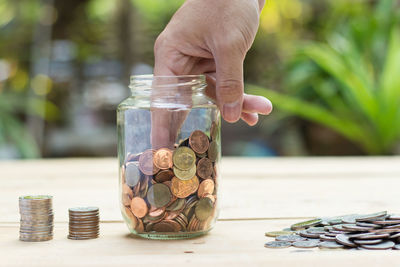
{"x": 83, "y": 223}
{"x": 36, "y": 218}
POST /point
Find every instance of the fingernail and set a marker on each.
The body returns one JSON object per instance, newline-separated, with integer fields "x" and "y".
{"x": 270, "y": 107}
{"x": 231, "y": 111}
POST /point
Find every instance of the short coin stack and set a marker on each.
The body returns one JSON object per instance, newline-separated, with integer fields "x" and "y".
{"x": 83, "y": 223}
{"x": 36, "y": 218}
{"x": 376, "y": 231}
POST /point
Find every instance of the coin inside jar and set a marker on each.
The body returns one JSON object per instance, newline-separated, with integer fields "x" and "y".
{"x": 163, "y": 158}
{"x": 205, "y": 168}
{"x": 184, "y": 158}
{"x": 185, "y": 174}
{"x": 159, "y": 195}
{"x": 199, "y": 142}
{"x": 164, "y": 175}
{"x": 146, "y": 163}
{"x": 139, "y": 207}
{"x": 184, "y": 188}
{"x": 132, "y": 174}
{"x": 205, "y": 187}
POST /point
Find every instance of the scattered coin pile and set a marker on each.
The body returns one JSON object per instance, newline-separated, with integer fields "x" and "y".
{"x": 377, "y": 231}
{"x": 168, "y": 190}
{"x": 37, "y": 217}
{"x": 83, "y": 223}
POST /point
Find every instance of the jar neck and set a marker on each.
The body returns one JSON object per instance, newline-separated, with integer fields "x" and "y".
{"x": 167, "y": 86}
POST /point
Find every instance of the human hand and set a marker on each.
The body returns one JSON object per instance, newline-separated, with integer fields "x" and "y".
{"x": 210, "y": 37}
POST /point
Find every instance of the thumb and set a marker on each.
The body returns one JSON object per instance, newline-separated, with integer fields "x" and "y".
{"x": 229, "y": 85}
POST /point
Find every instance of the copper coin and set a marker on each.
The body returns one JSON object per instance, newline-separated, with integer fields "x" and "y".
{"x": 163, "y": 158}
{"x": 206, "y": 187}
{"x": 184, "y": 188}
{"x": 199, "y": 142}
{"x": 167, "y": 226}
{"x": 214, "y": 130}
{"x": 155, "y": 212}
{"x": 127, "y": 190}
{"x": 164, "y": 175}
{"x": 211, "y": 197}
{"x": 172, "y": 215}
{"x": 132, "y": 219}
{"x": 146, "y": 163}
{"x": 139, "y": 207}
{"x": 139, "y": 227}
{"x": 205, "y": 168}
{"x": 213, "y": 151}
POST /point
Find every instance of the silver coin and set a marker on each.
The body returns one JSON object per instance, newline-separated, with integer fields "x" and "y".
{"x": 397, "y": 246}
{"x": 371, "y": 216}
{"x": 345, "y": 240}
{"x": 384, "y": 245}
{"x": 350, "y": 218}
{"x": 365, "y": 224}
{"x": 395, "y": 235}
{"x": 394, "y": 217}
{"x": 84, "y": 209}
{"x": 306, "y": 244}
{"x": 327, "y": 238}
{"x": 81, "y": 237}
{"x": 277, "y": 244}
{"x": 356, "y": 228}
{"x": 316, "y": 230}
{"x": 386, "y": 222}
{"x": 370, "y": 236}
{"x": 330, "y": 245}
{"x": 304, "y": 233}
{"x": 367, "y": 241}
{"x": 290, "y": 238}
{"x": 306, "y": 224}
{"x": 396, "y": 226}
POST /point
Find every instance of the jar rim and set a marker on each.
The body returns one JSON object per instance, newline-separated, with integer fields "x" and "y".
{"x": 146, "y": 81}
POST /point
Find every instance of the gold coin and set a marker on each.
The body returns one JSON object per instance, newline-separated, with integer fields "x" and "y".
{"x": 185, "y": 174}
{"x": 213, "y": 151}
{"x": 184, "y": 158}
{"x": 184, "y": 188}
{"x": 204, "y": 209}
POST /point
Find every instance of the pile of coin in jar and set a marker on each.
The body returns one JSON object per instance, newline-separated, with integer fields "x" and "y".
{"x": 83, "y": 223}
{"x": 37, "y": 217}
{"x": 376, "y": 231}
{"x": 168, "y": 190}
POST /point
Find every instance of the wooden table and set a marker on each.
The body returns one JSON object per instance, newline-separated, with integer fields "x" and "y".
{"x": 257, "y": 195}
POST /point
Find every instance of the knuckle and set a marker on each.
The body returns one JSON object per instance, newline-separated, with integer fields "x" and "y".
{"x": 230, "y": 90}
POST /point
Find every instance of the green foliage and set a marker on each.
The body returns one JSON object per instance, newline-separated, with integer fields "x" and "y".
{"x": 12, "y": 128}
{"x": 351, "y": 83}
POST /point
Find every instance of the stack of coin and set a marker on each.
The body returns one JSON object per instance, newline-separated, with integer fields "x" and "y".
{"x": 172, "y": 190}
{"x": 83, "y": 223}
{"x": 37, "y": 217}
{"x": 376, "y": 231}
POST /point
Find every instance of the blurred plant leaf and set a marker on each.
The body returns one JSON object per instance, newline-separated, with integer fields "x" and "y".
{"x": 318, "y": 114}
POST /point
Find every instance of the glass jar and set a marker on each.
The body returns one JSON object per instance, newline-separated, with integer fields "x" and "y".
{"x": 169, "y": 151}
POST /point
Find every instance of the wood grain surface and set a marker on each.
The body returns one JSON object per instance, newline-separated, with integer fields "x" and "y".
{"x": 257, "y": 195}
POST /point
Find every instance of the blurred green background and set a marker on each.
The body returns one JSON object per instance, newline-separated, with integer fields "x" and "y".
{"x": 331, "y": 68}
